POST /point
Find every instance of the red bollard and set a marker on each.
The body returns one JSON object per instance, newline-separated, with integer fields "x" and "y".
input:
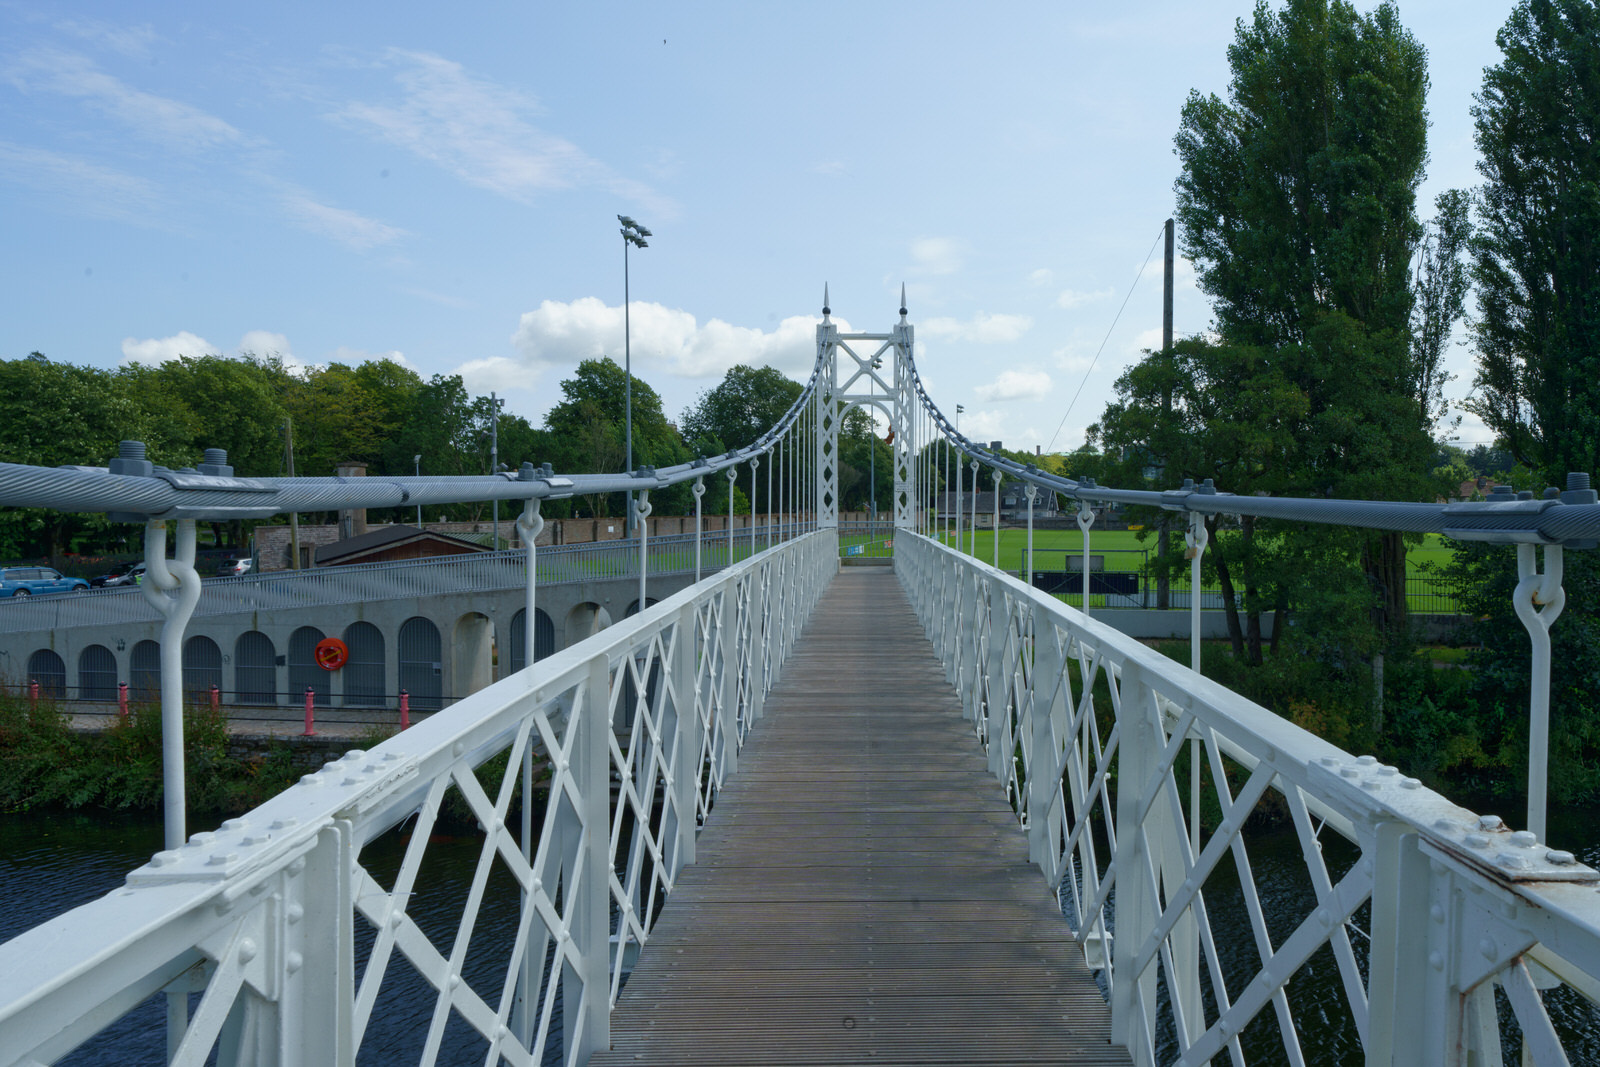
{"x": 33, "y": 692}
{"x": 405, "y": 710}
{"x": 216, "y": 698}
{"x": 311, "y": 700}
{"x": 122, "y": 699}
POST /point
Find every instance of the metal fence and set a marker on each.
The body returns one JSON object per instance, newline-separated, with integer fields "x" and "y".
{"x": 327, "y": 586}
{"x": 260, "y": 917}
{"x": 1447, "y": 937}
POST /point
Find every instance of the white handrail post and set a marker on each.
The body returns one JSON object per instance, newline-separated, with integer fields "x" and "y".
{"x": 1046, "y": 722}
{"x": 684, "y": 778}
{"x": 1031, "y": 491}
{"x": 960, "y": 483}
{"x": 996, "y": 476}
{"x": 733, "y": 476}
{"x": 974, "y": 523}
{"x": 1085, "y": 520}
{"x": 699, "y": 492}
{"x": 1133, "y": 1000}
{"x": 1196, "y": 539}
{"x": 587, "y": 1017}
{"x": 755, "y": 461}
{"x": 530, "y": 524}
{"x": 1399, "y": 962}
{"x": 642, "y": 510}
{"x": 728, "y": 706}
{"x": 1538, "y": 599}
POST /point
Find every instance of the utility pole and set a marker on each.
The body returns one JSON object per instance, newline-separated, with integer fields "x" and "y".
{"x": 294, "y": 517}
{"x": 495, "y": 404}
{"x": 1163, "y": 537}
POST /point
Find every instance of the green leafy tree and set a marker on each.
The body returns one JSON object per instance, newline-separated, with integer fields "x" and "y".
{"x": 1297, "y": 203}
{"x": 1536, "y": 265}
{"x": 1536, "y": 258}
{"x": 58, "y": 414}
{"x": 744, "y": 405}
{"x": 587, "y": 432}
{"x": 1212, "y": 410}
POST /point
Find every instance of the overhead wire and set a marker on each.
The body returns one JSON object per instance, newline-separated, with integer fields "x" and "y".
{"x": 1159, "y": 235}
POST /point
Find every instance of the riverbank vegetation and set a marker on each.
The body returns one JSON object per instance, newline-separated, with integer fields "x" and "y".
{"x": 45, "y": 762}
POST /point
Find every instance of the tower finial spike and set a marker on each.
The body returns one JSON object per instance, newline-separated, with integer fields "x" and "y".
{"x": 826, "y": 311}
{"x": 902, "y": 301}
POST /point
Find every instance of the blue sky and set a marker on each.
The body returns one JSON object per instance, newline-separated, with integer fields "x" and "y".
{"x": 440, "y": 184}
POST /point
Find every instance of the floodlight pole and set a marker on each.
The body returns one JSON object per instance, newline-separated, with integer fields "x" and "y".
{"x": 632, "y": 234}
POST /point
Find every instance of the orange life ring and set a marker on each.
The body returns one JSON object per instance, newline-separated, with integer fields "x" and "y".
{"x": 331, "y": 654}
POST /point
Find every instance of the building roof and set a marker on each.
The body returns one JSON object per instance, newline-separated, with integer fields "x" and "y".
{"x": 351, "y": 550}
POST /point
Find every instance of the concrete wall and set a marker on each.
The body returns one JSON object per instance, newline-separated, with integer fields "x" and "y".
{"x": 471, "y": 626}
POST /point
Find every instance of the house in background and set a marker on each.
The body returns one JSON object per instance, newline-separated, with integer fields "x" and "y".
{"x": 390, "y": 543}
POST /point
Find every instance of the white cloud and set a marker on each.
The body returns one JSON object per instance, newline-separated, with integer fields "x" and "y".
{"x": 829, "y": 166}
{"x": 982, "y": 328}
{"x": 663, "y": 340}
{"x": 1071, "y": 298}
{"x": 158, "y": 350}
{"x": 478, "y": 131}
{"x": 936, "y": 255}
{"x": 165, "y": 121}
{"x": 1015, "y": 385}
{"x": 267, "y": 343}
{"x": 497, "y": 373}
{"x": 986, "y": 426}
{"x": 1042, "y": 276}
{"x": 89, "y": 188}
{"x": 348, "y": 228}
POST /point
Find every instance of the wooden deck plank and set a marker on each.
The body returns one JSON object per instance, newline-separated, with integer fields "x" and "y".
{"x": 862, "y": 892}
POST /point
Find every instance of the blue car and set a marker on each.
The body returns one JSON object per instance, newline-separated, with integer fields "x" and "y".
{"x": 36, "y": 581}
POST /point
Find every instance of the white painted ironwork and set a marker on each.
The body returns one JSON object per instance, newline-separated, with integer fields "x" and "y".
{"x": 261, "y": 916}
{"x": 1085, "y": 728}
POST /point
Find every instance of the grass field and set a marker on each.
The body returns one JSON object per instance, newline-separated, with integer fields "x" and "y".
{"x": 1123, "y": 551}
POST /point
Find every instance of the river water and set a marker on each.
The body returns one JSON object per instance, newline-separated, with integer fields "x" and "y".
{"x": 51, "y": 862}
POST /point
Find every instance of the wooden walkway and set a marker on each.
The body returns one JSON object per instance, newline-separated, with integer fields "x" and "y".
{"x": 862, "y": 893}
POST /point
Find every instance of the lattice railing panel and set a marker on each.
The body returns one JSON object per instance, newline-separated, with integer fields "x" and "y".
{"x": 1433, "y": 936}
{"x": 295, "y": 922}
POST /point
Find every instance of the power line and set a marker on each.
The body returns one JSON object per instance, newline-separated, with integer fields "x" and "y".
{"x": 1159, "y": 234}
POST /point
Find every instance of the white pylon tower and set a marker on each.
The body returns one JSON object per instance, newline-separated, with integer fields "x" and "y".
{"x": 865, "y": 380}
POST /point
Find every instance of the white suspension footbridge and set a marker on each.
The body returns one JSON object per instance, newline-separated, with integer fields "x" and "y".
{"x": 792, "y": 814}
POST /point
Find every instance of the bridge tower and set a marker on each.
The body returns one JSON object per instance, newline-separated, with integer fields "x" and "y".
{"x": 881, "y": 379}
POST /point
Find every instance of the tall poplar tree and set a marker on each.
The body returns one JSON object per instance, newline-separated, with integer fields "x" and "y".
{"x": 1536, "y": 259}
{"x": 1297, "y": 203}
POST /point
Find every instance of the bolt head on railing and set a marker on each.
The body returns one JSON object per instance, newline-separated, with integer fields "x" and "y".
{"x": 216, "y": 463}
{"x": 131, "y": 460}
{"x": 1579, "y": 490}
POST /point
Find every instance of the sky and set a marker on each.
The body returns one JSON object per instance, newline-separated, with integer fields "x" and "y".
{"x": 439, "y": 184}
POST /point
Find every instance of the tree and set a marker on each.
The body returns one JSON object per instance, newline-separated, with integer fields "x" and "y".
{"x": 586, "y": 431}
{"x": 1536, "y": 258}
{"x": 1212, "y": 410}
{"x": 59, "y": 414}
{"x": 1536, "y": 265}
{"x": 744, "y": 405}
{"x": 1298, "y": 205}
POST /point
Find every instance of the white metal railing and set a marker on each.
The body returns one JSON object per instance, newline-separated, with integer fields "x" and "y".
{"x": 1427, "y": 915}
{"x": 260, "y": 917}
{"x": 363, "y": 583}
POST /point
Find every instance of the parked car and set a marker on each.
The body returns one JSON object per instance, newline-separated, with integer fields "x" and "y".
{"x": 236, "y": 567}
{"x": 36, "y": 581}
{"x": 131, "y": 576}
